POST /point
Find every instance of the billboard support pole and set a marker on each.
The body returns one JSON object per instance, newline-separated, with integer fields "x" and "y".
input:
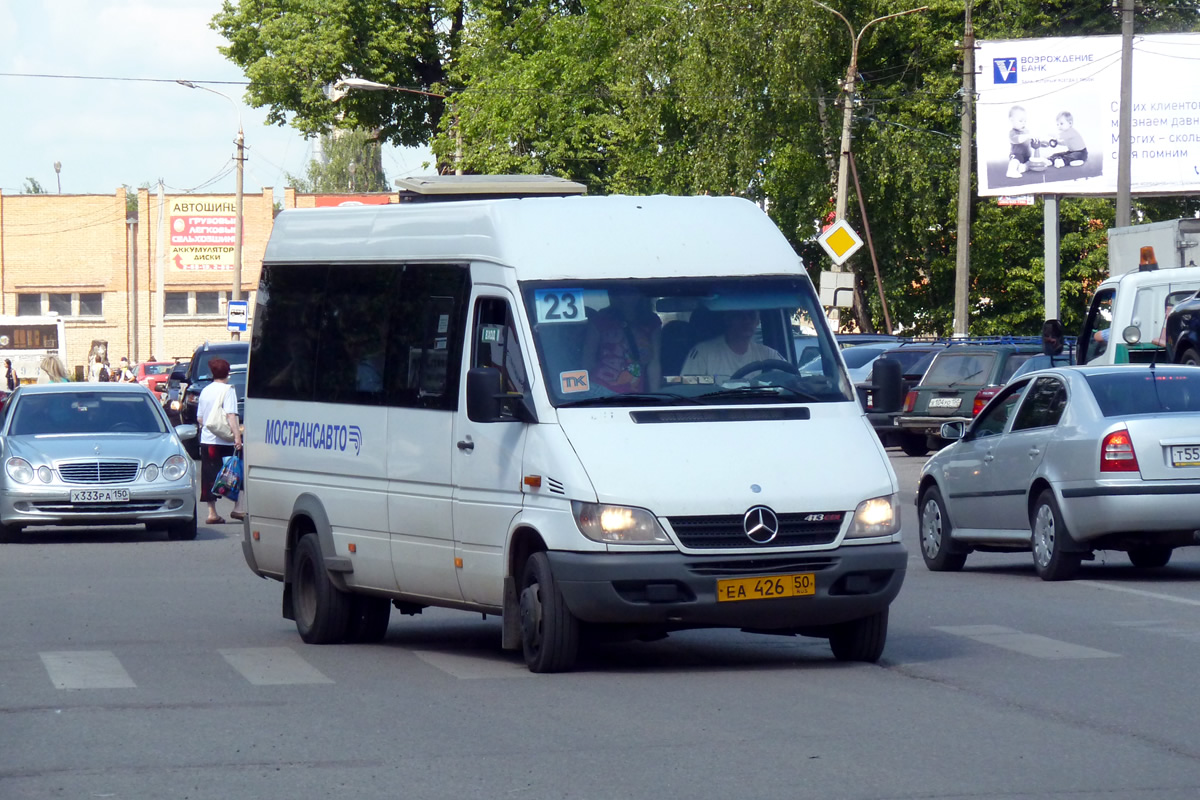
{"x": 1125, "y": 124}
{"x": 962, "y": 260}
{"x": 1050, "y": 234}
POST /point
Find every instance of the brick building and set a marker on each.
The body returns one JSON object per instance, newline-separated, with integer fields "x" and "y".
{"x": 79, "y": 256}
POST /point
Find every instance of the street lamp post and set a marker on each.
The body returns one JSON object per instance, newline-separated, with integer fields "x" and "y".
{"x": 344, "y": 86}
{"x": 237, "y": 209}
{"x": 58, "y": 174}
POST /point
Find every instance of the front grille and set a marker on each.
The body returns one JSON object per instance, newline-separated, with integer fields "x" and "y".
{"x": 728, "y": 531}
{"x": 98, "y": 471}
{"x": 61, "y": 507}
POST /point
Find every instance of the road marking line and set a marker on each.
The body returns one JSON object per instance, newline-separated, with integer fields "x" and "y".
{"x": 272, "y": 666}
{"x": 86, "y": 669}
{"x": 1030, "y": 644}
{"x": 1170, "y": 598}
{"x": 472, "y": 667}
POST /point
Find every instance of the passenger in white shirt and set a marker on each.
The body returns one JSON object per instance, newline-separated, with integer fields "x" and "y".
{"x": 724, "y": 355}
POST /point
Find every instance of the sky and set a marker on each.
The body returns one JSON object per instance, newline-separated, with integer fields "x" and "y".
{"x": 116, "y": 131}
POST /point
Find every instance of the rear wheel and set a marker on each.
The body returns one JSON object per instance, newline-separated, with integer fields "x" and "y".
{"x": 914, "y": 444}
{"x": 549, "y": 631}
{"x": 1150, "y": 556}
{"x": 860, "y": 640}
{"x": 937, "y": 546}
{"x": 322, "y": 611}
{"x": 1190, "y": 356}
{"x": 368, "y": 619}
{"x": 1051, "y": 560}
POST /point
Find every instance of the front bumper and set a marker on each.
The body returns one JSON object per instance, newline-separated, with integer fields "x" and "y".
{"x": 158, "y": 502}
{"x": 678, "y": 591}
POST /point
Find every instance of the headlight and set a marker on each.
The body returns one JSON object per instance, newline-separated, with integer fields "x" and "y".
{"x": 879, "y": 516}
{"x": 175, "y": 468}
{"x": 45, "y": 474}
{"x": 150, "y": 472}
{"x": 618, "y": 524}
{"x": 174, "y": 405}
{"x": 19, "y": 470}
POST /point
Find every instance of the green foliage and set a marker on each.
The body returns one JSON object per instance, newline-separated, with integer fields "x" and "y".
{"x": 32, "y": 186}
{"x": 351, "y": 163}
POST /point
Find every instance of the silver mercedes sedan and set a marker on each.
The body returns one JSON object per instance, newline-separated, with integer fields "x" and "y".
{"x": 94, "y": 454}
{"x": 1068, "y": 461}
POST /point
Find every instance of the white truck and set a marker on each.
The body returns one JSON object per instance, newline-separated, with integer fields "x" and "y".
{"x": 1151, "y": 268}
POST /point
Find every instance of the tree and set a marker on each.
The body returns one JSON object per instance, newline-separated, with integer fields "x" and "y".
{"x": 351, "y": 163}
{"x": 292, "y": 50}
{"x": 33, "y": 187}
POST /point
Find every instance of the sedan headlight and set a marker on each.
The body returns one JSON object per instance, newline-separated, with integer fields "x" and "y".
{"x": 150, "y": 472}
{"x": 175, "y": 468}
{"x": 19, "y": 470}
{"x": 618, "y": 524}
{"x": 879, "y": 516}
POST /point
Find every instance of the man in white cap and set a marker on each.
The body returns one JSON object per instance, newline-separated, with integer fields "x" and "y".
{"x": 125, "y": 374}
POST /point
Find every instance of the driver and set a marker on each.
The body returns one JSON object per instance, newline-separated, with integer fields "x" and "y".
{"x": 724, "y": 355}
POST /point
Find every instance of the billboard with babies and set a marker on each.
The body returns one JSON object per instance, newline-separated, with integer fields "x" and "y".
{"x": 1048, "y": 111}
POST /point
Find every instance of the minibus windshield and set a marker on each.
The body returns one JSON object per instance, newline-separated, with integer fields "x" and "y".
{"x": 683, "y": 341}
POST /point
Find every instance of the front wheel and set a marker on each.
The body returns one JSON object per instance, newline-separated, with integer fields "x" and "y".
{"x": 549, "y": 631}
{"x": 1051, "y": 560}
{"x": 322, "y": 611}
{"x": 861, "y": 639}
{"x": 937, "y": 546}
{"x": 914, "y": 444}
{"x": 1190, "y": 357}
{"x": 1150, "y": 556}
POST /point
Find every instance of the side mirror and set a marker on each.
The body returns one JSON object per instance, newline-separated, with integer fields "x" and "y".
{"x": 888, "y": 379}
{"x": 186, "y": 432}
{"x": 1132, "y": 334}
{"x": 488, "y": 402}
{"x": 952, "y": 431}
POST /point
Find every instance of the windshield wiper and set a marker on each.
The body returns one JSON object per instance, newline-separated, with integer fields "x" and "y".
{"x": 633, "y": 398}
{"x": 758, "y": 391}
{"x": 966, "y": 378}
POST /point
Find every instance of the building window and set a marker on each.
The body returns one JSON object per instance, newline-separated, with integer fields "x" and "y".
{"x": 208, "y": 302}
{"x": 91, "y": 304}
{"x": 60, "y": 304}
{"x": 175, "y": 303}
{"x": 29, "y": 305}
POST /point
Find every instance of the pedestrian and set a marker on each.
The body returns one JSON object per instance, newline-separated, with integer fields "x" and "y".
{"x": 214, "y": 448}
{"x": 10, "y": 375}
{"x": 1053, "y": 339}
{"x": 95, "y": 368}
{"x": 52, "y": 370}
{"x": 124, "y": 372}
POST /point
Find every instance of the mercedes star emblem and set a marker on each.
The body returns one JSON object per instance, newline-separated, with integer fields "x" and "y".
{"x": 761, "y": 524}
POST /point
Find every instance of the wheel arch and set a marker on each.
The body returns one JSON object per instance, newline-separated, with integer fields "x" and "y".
{"x": 1039, "y": 485}
{"x": 309, "y": 516}
{"x": 524, "y": 541}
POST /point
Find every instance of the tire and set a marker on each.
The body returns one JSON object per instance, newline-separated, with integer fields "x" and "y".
{"x": 182, "y": 531}
{"x": 1051, "y": 560}
{"x": 368, "y": 619}
{"x": 860, "y": 640}
{"x": 937, "y": 546}
{"x": 8, "y": 533}
{"x": 1191, "y": 357}
{"x": 549, "y": 631}
{"x": 914, "y": 445}
{"x": 192, "y": 447}
{"x": 322, "y": 611}
{"x": 1150, "y": 556}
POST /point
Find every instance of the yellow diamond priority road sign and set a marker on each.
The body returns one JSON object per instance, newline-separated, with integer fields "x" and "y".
{"x": 840, "y": 241}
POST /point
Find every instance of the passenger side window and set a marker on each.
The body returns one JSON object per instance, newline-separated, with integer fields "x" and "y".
{"x": 1043, "y": 406}
{"x": 287, "y": 328}
{"x": 495, "y": 343}
{"x": 425, "y": 336}
{"x": 992, "y": 419}
{"x": 351, "y": 350}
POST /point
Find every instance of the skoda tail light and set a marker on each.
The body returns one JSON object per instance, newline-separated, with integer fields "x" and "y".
{"x": 1116, "y": 453}
{"x": 982, "y": 397}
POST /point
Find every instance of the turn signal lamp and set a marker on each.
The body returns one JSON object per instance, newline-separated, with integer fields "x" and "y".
{"x": 1116, "y": 453}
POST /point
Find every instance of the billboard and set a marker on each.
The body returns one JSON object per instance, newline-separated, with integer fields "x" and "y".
{"x": 203, "y": 233}
{"x": 326, "y": 200}
{"x": 1048, "y": 111}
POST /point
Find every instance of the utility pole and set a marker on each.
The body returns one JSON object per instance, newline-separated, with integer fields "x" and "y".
{"x": 158, "y": 345}
{"x": 962, "y": 261}
{"x": 237, "y": 225}
{"x": 1125, "y": 124}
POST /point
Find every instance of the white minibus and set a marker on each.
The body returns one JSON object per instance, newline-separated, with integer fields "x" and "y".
{"x": 583, "y": 415}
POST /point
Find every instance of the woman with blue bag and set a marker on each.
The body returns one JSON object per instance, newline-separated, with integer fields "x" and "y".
{"x": 220, "y": 435}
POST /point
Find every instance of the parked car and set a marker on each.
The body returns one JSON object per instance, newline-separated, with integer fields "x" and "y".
{"x": 153, "y": 375}
{"x": 1065, "y": 462}
{"x": 172, "y": 397}
{"x": 958, "y": 382}
{"x": 94, "y": 454}
{"x": 199, "y": 375}
{"x": 914, "y": 359}
{"x": 846, "y": 340}
{"x": 1182, "y": 330}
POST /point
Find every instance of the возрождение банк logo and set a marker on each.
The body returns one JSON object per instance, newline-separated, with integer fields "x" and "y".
{"x": 1004, "y": 70}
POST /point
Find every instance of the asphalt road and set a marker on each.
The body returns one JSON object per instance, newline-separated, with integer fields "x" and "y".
{"x": 134, "y": 667}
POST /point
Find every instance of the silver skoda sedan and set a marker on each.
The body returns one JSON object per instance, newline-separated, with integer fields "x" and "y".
{"x": 1068, "y": 461}
{"x": 94, "y": 454}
